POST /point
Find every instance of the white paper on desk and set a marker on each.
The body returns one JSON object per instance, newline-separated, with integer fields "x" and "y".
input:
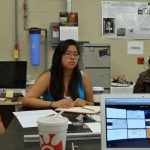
{"x": 34, "y": 113}
{"x": 28, "y": 119}
{"x": 96, "y": 117}
{"x": 2, "y": 99}
{"x": 28, "y": 122}
{"x": 94, "y": 126}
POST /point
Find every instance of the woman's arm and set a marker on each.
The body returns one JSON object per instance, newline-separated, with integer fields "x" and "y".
{"x": 32, "y": 98}
{"x": 88, "y": 88}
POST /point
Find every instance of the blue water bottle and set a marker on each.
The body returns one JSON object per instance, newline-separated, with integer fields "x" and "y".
{"x": 35, "y": 46}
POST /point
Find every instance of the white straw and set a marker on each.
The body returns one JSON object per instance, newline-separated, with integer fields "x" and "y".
{"x": 59, "y": 113}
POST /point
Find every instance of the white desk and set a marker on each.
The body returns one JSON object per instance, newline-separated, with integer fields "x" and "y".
{"x": 128, "y": 89}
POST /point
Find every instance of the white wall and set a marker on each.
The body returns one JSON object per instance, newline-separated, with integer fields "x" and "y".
{"x": 42, "y": 12}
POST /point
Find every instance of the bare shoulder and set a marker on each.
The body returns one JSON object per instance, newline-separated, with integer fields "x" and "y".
{"x": 87, "y": 86}
{"x": 84, "y": 75}
{"x": 46, "y": 75}
{"x": 40, "y": 86}
{"x": 43, "y": 78}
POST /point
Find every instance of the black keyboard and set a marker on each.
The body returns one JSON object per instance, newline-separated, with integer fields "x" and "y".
{"x": 17, "y": 95}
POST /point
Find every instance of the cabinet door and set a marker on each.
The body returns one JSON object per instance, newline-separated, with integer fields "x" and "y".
{"x": 96, "y": 57}
{"x": 99, "y": 76}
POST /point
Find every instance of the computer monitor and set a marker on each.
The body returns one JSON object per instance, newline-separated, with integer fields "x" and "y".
{"x": 125, "y": 122}
{"x": 13, "y": 75}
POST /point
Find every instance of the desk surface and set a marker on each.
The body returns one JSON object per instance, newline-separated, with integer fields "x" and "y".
{"x": 15, "y": 141}
{"x": 9, "y": 102}
{"x": 14, "y": 137}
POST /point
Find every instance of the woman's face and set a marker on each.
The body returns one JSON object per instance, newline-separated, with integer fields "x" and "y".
{"x": 70, "y": 57}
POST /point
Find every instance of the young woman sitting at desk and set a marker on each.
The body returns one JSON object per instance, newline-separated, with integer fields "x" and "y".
{"x": 64, "y": 85}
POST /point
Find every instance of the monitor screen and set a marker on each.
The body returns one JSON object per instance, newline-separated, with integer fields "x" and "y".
{"x": 128, "y": 122}
{"x": 13, "y": 74}
{"x": 125, "y": 121}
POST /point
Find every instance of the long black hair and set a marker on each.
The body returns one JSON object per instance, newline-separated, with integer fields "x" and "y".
{"x": 57, "y": 73}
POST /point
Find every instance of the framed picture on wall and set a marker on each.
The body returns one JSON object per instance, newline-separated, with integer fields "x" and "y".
{"x": 68, "y": 18}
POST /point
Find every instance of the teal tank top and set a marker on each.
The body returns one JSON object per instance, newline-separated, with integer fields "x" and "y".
{"x": 47, "y": 95}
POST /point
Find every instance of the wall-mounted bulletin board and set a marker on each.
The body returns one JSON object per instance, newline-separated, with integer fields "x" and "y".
{"x": 122, "y": 19}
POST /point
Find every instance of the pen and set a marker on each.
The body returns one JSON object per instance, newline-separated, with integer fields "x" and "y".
{"x": 88, "y": 109}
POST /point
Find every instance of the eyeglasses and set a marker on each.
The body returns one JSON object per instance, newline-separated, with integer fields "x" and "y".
{"x": 70, "y": 55}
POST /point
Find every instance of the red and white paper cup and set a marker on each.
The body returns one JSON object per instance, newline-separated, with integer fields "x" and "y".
{"x": 52, "y": 132}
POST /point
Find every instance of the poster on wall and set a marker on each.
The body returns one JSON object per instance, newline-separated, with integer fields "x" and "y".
{"x": 68, "y": 18}
{"x": 121, "y": 19}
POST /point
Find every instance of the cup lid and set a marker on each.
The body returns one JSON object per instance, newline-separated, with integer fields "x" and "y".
{"x": 52, "y": 120}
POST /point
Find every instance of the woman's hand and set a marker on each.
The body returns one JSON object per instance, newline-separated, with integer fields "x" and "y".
{"x": 90, "y": 103}
{"x": 79, "y": 103}
{"x": 64, "y": 103}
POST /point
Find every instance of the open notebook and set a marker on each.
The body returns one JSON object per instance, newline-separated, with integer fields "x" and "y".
{"x": 82, "y": 110}
{"x": 125, "y": 122}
